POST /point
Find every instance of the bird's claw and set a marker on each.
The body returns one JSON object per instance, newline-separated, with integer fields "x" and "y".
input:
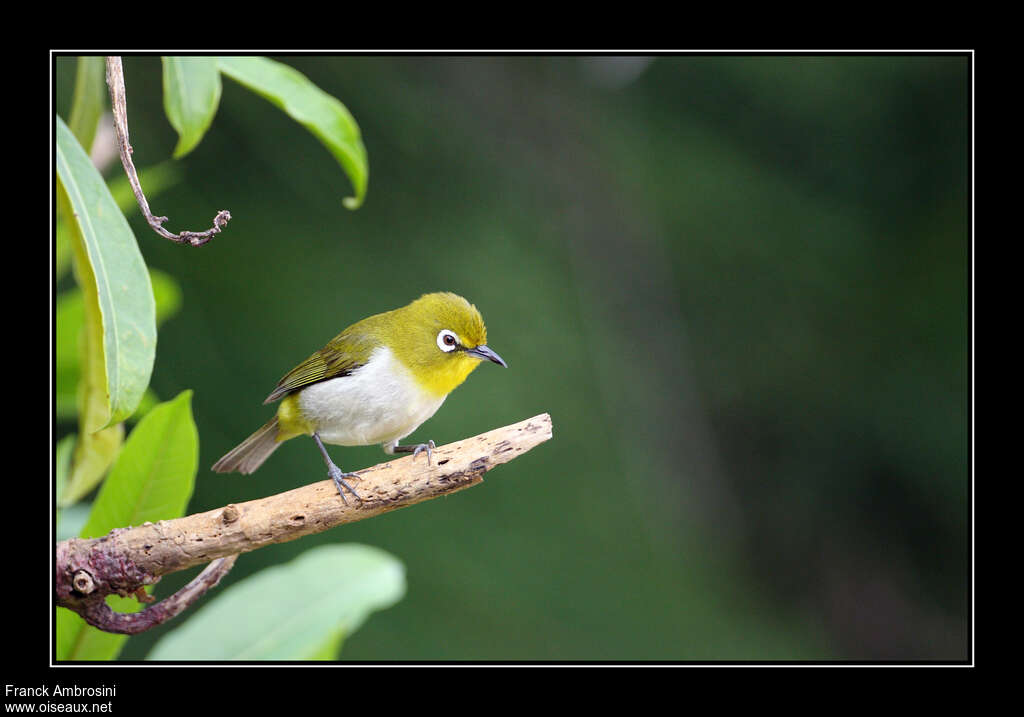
{"x": 428, "y": 447}
{"x": 336, "y": 474}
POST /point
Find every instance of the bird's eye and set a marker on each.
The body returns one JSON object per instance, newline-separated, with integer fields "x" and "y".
{"x": 447, "y": 341}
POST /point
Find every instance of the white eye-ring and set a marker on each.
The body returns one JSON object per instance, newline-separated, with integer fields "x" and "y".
{"x": 447, "y": 340}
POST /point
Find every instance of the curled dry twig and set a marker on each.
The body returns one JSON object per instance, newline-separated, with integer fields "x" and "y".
{"x": 115, "y": 81}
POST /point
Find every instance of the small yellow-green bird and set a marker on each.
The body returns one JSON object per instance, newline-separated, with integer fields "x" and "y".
{"x": 375, "y": 382}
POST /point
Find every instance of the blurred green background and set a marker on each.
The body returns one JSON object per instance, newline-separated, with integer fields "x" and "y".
{"x": 739, "y": 285}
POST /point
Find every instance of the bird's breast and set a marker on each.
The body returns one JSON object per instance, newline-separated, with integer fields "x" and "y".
{"x": 379, "y": 402}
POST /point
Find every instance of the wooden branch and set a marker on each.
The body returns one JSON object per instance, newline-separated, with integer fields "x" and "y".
{"x": 119, "y": 107}
{"x": 127, "y": 559}
{"x": 95, "y": 611}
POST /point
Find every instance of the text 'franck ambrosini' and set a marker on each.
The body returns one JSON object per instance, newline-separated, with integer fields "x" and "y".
{"x": 60, "y": 691}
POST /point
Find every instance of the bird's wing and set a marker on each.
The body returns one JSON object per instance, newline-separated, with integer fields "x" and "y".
{"x": 340, "y": 357}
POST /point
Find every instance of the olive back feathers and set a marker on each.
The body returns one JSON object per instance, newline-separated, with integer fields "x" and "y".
{"x": 412, "y": 332}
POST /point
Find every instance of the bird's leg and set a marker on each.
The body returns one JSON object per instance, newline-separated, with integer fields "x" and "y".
{"x": 336, "y": 473}
{"x": 415, "y": 450}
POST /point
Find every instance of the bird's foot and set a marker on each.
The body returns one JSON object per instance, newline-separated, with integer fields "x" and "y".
{"x": 428, "y": 447}
{"x": 338, "y": 476}
{"x": 414, "y": 449}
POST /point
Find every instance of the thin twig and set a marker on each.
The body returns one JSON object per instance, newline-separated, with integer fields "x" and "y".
{"x": 93, "y": 607}
{"x": 115, "y": 80}
{"x": 127, "y": 559}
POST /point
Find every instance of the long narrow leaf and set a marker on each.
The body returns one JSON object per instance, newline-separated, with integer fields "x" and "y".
{"x": 86, "y": 108}
{"x": 191, "y": 96}
{"x": 120, "y": 310}
{"x": 323, "y": 115}
{"x": 87, "y": 101}
{"x": 98, "y": 443}
{"x": 69, "y": 323}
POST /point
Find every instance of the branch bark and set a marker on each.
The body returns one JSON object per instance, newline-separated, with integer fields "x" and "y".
{"x": 127, "y": 559}
{"x": 119, "y": 107}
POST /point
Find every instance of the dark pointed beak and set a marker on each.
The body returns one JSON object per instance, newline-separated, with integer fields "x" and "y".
{"x": 483, "y": 352}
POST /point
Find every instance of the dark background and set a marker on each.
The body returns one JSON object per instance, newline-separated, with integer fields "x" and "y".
{"x": 739, "y": 285}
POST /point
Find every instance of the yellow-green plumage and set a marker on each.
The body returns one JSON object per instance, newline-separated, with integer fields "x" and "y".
{"x": 376, "y": 381}
{"x": 415, "y": 326}
{"x": 290, "y": 420}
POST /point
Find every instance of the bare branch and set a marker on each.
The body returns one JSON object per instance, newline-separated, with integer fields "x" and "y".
{"x": 127, "y": 559}
{"x": 94, "y": 609}
{"x": 115, "y": 80}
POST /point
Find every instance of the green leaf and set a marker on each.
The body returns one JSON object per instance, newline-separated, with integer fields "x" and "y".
{"x": 88, "y": 100}
{"x": 149, "y": 400}
{"x": 191, "y": 96}
{"x": 93, "y": 455}
{"x": 70, "y": 317}
{"x": 152, "y": 480}
{"x": 154, "y": 473}
{"x": 297, "y": 611}
{"x": 61, "y": 249}
{"x": 119, "y": 306}
{"x": 330, "y": 648}
{"x": 87, "y": 105}
{"x": 319, "y": 112}
{"x": 155, "y": 179}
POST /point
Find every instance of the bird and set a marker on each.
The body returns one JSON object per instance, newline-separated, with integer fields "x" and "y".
{"x": 375, "y": 382}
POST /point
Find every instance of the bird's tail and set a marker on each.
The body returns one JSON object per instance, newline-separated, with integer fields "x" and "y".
{"x": 249, "y": 455}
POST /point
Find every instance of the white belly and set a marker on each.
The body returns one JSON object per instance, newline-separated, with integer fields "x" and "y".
{"x": 377, "y": 403}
